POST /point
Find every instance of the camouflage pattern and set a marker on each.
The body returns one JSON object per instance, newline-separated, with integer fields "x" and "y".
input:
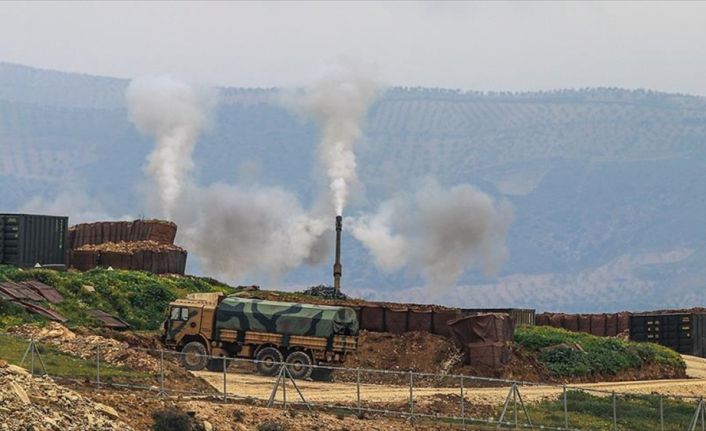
{"x": 242, "y": 314}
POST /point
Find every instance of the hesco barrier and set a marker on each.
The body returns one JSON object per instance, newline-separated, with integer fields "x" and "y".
{"x": 117, "y": 231}
{"x": 400, "y": 318}
{"x": 521, "y": 316}
{"x": 157, "y": 262}
{"x": 602, "y": 325}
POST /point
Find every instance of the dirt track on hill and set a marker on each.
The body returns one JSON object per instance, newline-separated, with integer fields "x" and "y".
{"x": 259, "y": 387}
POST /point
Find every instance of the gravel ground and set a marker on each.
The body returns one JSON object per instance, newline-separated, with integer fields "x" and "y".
{"x": 260, "y": 387}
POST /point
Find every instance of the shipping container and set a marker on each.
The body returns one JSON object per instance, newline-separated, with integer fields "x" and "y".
{"x": 522, "y": 316}
{"x": 26, "y": 240}
{"x": 682, "y": 332}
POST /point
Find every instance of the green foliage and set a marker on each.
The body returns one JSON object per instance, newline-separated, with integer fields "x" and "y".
{"x": 571, "y": 354}
{"x": 592, "y": 412}
{"x": 61, "y": 364}
{"x": 173, "y": 419}
{"x": 138, "y": 297}
{"x": 13, "y": 315}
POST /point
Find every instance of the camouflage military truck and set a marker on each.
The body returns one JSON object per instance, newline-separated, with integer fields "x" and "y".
{"x": 301, "y": 335}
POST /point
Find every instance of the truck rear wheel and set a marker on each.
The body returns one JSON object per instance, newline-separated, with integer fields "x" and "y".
{"x": 194, "y": 356}
{"x": 269, "y": 361}
{"x": 299, "y": 365}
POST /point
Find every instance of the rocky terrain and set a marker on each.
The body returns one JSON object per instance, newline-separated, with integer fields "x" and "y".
{"x": 39, "y": 404}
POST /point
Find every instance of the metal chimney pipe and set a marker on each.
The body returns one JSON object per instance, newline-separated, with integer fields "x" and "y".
{"x": 337, "y": 268}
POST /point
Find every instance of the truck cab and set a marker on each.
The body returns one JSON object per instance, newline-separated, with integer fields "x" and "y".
{"x": 190, "y": 323}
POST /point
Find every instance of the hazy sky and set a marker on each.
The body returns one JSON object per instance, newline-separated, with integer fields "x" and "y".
{"x": 482, "y": 46}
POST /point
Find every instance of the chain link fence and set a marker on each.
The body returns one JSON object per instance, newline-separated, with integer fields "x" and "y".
{"x": 459, "y": 400}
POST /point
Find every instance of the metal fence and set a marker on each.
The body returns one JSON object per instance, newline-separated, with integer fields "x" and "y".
{"x": 465, "y": 401}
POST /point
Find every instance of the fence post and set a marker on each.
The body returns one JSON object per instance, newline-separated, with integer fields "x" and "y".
{"x": 357, "y": 388}
{"x": 615, "y": 413}
{"x": 411, "y": 394}
{"x": 566, "y": 410}
{"x": 463, "y": 412}
{"x": 225, "y": 387}
{"x": 161, "y": 373}
{"x": 285, "y": 373}
{"x": 661, "y": 412}
{"x": 98, "y": 365}
{"x": 31, "y": 361}
{"x": 514, "y": 403}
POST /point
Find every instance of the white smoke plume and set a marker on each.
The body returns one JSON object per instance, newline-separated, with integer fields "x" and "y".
{"x": 174, "y": 113}
{"x": 236, "y": 231}
{"x": 438, "y": 233}
{"x": 339, "y": 104}
{"x": 244, "y": 231}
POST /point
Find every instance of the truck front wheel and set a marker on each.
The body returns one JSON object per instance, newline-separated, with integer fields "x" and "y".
{"x": 269, "y": 361}
{"x": 299, "y": 365}
{"x": 194, "y": 356}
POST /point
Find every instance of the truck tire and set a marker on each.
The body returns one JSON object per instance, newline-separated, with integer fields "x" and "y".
{"x": 194, "y": 356}
{"x": 215, "y": 365}
{"x": 269, "y": 361}
{"x": 321, "y": 374}
{"x": 299, "y": 364}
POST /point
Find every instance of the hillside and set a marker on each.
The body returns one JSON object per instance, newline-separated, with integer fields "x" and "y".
{"x": 139, "y": 298}
{"x": 608, "y": 185}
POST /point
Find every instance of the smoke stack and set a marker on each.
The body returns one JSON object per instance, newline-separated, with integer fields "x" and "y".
{"x": 337, "y": 268}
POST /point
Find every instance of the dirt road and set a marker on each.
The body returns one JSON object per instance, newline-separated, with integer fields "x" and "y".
{"x": 255, "y": 386}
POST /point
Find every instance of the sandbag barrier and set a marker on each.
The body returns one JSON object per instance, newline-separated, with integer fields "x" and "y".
{"x": 602, "y": 325}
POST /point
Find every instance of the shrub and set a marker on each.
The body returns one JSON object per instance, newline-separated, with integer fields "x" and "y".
{"x": 568, "y": 354}
{"x": 173, "y": 419}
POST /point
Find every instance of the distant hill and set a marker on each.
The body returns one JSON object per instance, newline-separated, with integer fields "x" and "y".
{"x": 608, "y": 185}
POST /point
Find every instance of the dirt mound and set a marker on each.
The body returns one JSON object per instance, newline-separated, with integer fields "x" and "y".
{"x": 128, "y": 353}
{"x": 37, "y": 403}
{"x": 130, "y": 247}
{"x": 423, "y": 352}
{"x": 84, "y": 346}
{"x": 136, "y": 409}
{"x": 417, "y": 351}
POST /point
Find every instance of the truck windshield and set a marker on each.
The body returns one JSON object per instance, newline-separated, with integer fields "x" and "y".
{"x": 180, "y": 313}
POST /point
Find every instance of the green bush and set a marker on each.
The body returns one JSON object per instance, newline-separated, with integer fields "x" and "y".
{"x": 571, "y": 354}
{"x": 140, "y": 298}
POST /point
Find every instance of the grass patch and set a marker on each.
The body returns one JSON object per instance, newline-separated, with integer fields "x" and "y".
{"x": 555, "y": 348}
{"x": 60, "y": 364}
{"x": 138, "y": 297}
{"x": 591, "y": 412}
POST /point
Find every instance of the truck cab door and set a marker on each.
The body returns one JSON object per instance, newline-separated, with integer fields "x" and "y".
{"x": 182, "y": 321}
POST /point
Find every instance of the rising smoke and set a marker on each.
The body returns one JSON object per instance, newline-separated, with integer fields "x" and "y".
{"x": 239, "y": 231}
{"x": 438, "y": 233}
{"x": 246, "y": 230}
{"x": 339, "y": 104}
{"x": 235, "y": 230}
{"x": 174, "y": 113}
